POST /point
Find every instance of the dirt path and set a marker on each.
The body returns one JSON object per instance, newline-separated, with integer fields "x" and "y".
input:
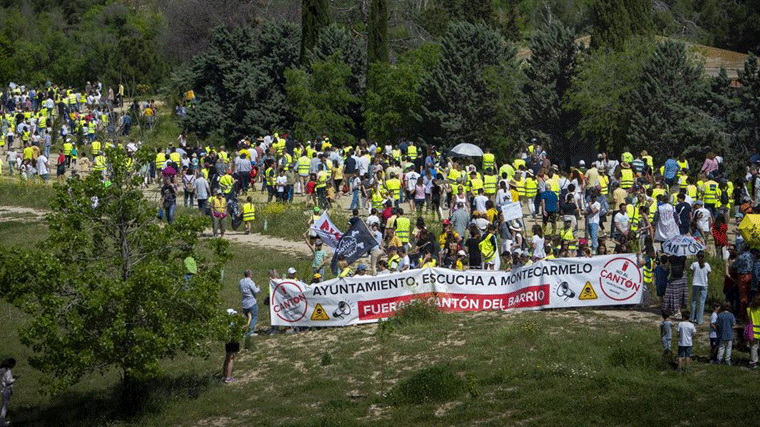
{"x": 12, "y": 213}
{"x": 267, "y": 242}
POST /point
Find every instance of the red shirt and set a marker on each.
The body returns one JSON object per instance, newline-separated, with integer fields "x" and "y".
{"x": 719, "y": 234}
{"x": 310, "y": 187}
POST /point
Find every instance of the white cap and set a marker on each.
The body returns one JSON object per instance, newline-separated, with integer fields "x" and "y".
{"x": 291, "y": 270}
{"x": 461, "y": 253}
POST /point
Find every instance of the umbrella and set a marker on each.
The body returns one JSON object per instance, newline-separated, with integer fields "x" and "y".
{"x": 466, "y": 150}
{"x": 749, "y": 228}
{"x": 682, "y": 246}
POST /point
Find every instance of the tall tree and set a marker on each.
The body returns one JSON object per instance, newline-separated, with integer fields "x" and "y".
{"x": 108, "y": 288}
{"x": 315, "y": 15}
{"x": 615, "y": 21}
{"x": 667, "y": 116}
{"x": 549, "y": 74}
{"x": 239, "y": 82}
{"x": 457, "y": 103}
{"x": 377, "y": 32}
{"x": 746, "y": 116}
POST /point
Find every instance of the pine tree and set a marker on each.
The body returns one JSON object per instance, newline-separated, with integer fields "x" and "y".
{"x": 315, "y": 15}
{"x": 377, "y": 33}
{"x": 458, "y": 104}
{"x": 666, "y": 116}
{"x": 615, "y": 21}
{"x": 549, "y": 74}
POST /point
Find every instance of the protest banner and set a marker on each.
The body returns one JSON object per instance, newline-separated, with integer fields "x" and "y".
{"x": 558, "y": 283}
{"x": 327, "y": 231}
{"x": 354, "y": 244}
{"x": 511, "y": 211}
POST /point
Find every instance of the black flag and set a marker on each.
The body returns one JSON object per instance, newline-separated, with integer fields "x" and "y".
{"x": 354, "y": 244}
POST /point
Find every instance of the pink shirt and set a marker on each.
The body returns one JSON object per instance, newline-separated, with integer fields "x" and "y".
{"x": 709, "y": 165}
{"x": 419, "y": 192}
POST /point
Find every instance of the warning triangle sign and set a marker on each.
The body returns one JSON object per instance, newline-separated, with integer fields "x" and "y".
{"x": 319, "y": 312}
{"x": 587, "y": 292}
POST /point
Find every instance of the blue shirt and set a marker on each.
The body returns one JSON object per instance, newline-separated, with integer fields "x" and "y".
{"x": 725, "y": 325}
{"x": 671, "y": 169}
{"x": 551, "y": 199}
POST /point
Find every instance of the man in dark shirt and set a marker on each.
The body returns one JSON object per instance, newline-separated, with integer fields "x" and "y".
{"x": 473, "y": 248}
{"x": 683, "y": 213}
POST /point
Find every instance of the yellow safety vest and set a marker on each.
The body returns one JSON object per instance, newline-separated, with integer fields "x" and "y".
{"x": 396, "y": 153}
{"x": 487, "y": 248}
{"x": 691, "y": 190}
{"x": 393, "y": 262}
{"x": 531, "y": 187}
{"x": 488, "y": 161}
{"x": 648, "y": 160}
{"x": 517, "y": 163}
{"x": 682, "y": 180}
{"x": 225, "y": 182}
{"x": 712, "y": 193}
{"x": 67, "y": 148}
{"x": 476, "y": 184}
{"x": 453, "y": 175}
{"x": 489, "y": 184}
{"x": 160, "y": 159}
{"x": 648, "y": 271}
{"x": 521, "y": 186}
{"x": 322, "y": 178}
{"x": 730, "y": 190}
{"x": 303, "y": 165}
{"x": 508, "y": 169}
{"x": 403, "y": 226}
{"x": 377, "y": 200}
{"x": 249, "y": 212}
{"x": 100, "y": 163}
{"x": 553, "y": 184}
{"x": 626, "y": 179}
{"x": 393, "y": 186}
{"x": 634, "y": 215}
{"x": 429, "y": 264}
{"x": 176, "y": 158}
{"x": 603, "y": 184}
{"x": 567, "y": 235}
{"x": 627, "y": 157}
{"x": 411, "y": 151}
{"x": 684, "y": 166}
{"x": 95, "y": 148}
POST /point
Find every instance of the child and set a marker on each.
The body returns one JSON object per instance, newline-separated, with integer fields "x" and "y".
{"x": 666, "y": 334}
{"x": 661, "y": 273}
{"x": 686, "y": 332}
{"x": 714, "y": 333}
{"x": 724, "y": 324}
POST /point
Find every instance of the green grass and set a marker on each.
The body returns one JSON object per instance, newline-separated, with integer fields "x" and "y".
{"x": 32, "y": 194}
{"x": 564, "y": 367}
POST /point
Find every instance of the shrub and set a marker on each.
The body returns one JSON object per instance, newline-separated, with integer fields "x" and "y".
{"x": 435, "y": 384}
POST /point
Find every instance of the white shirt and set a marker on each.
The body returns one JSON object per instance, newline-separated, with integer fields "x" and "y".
{"x": 622, "y": 222}
{"x": 42, "y": 165}
{"x": 666, "y": 223}
{"x": 411, "y": 180}
{"x": 703, "y": 219}
{"x": 281, "y": 182}
{"x": 372, "y": 219}
{"x": 538, "y": 247}
{"x": 686, "y": 331}
{"x": 503, "y": 197}
{"x": 480, "y": 203}
{"x": 594, "y": 217}
{"x": 404, "y": 263}
{"x": 700, "y": 274}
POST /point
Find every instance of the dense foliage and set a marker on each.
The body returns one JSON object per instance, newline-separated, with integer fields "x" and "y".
{"x": 108, "y": 288}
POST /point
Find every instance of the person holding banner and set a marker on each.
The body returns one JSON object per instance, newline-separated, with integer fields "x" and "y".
{"x": 488, "y": 249}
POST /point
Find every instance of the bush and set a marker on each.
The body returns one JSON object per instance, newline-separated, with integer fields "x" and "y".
{"x": 436, "y": 384}
{"x": 417, "y": 311}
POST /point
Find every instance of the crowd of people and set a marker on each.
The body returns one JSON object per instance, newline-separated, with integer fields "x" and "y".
{"x": 424, "y": 206}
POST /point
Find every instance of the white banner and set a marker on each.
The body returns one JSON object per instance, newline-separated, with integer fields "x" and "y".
{"x": 327, "y": 231}
{"x": 511, "y": 211}
{"x": 557, "y": 283}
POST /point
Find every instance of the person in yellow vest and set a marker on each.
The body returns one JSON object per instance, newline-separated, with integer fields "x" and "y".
{"x": 488, "y": 160}
{"x": 568, "y": 235}
{"x": 67, "y": 145}
{"x": 711, "y": 197}
{"x": 411, "y": 151}
{"x": 625, "y": 175}
{"x": 531, "y": 191}
{"x": 626, "y": 156}
{"x": 393, "y": 185}
{"x": 218, "y": 212}
{"x": 428, "y": 261}
{"x": 519, "y": 162}
{"x": 303, "y": 172}
{"x": 159, "y": 163}
{"x": 249, "y": 214}
{"x": 99, "y": 165}
{"x": 647, "y": 160}
{"x": 489, "y": 183}
{"x": 175, "y": 157}
{"x": 684, "y": 164}
{"x": 323, "y": 180}
{"x": 91, "y": 130}
{"x": 475, "y": 184}
{"x": 507, "y": 169}
{"x": 403, "y": 228}
{"x": 96, "y": 147}
{"x": 488, "y": 248}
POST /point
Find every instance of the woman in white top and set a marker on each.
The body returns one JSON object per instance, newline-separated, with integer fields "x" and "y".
{"x": 538, "y": 243}
{"x": 460, "y": 197}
